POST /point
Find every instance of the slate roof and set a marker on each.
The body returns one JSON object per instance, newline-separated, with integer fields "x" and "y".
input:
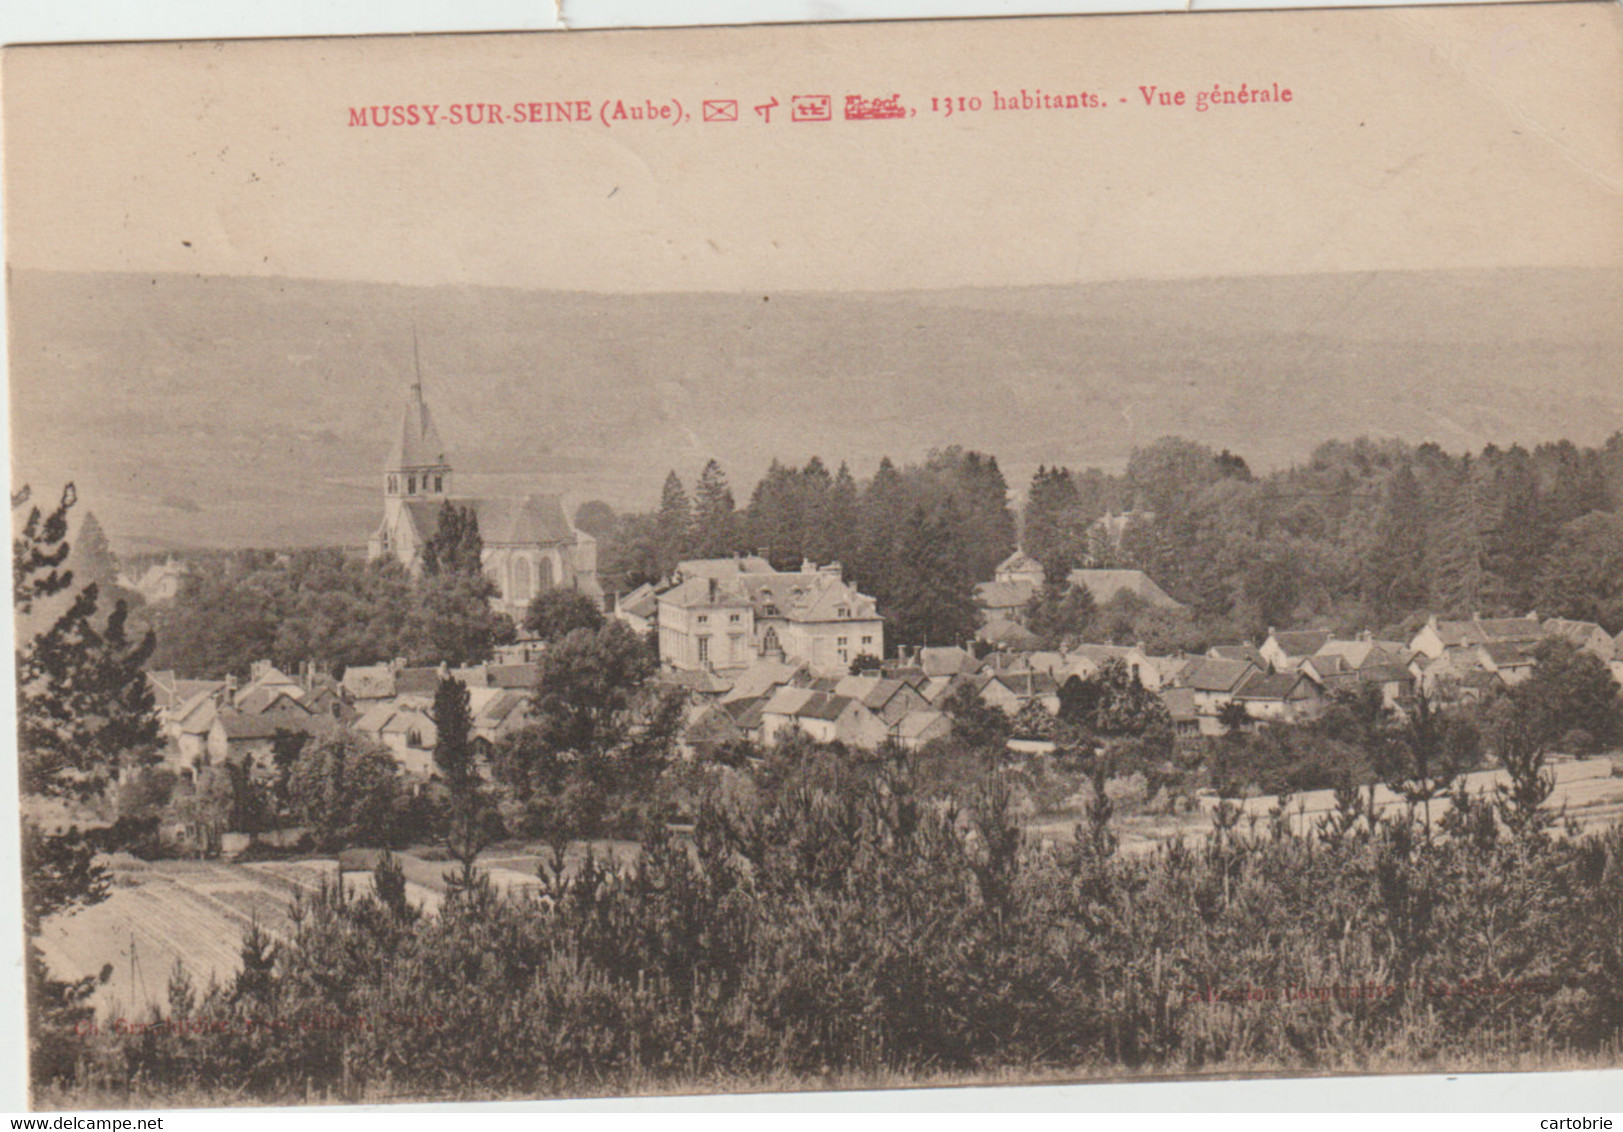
{"x": 1508, "y": 654}
{"x": 916, "y": 723}
{"x": 1270, "y": 686}
{"x": 760, "y": 678}
{"x": 1006, "y": 634}
{"x": 518, "y": 676}
{"x": 416, "y": 681}
{"x": 1481, "y": 630}
{"x": 792, "y": 596}
{"x": 261, "y": 700}
{"x": 532, "y": 520}
{"x": 1204, "y": 674}
{"x": 874, "y": 691}
{"x": 369, "y": 682}
{"x": 825, "y": 706}
{"x": 240, "y": 726}
{"x": 746, "y": 713}
{"x": 1237, "y": 652}
{"x": 418, "y": 443}
{"x": 1301, "y": 642}
{"x": 1106, "y": 584}
{"x": 1019, "y": 563}
{"x": 723, "y": 567}
{"x": 640, "y": 602}
{"x": 947, "y": 661}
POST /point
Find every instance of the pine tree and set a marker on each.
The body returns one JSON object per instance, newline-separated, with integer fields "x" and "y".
{"x": 715, "y": 518}
{"x": 1053, "y": 531}
{"x": 93, "y": 559}
{"x": 1394, "y": 579}
{"x": 83, "y": 701}
{"x": 815, "y": 490}
{"x": 675, "y": 524}
{"x": 842, "y": 518}
{"x": 933, "y": 599}
{"x": 774, "y": 517}
{"x": 1458, "y": 577}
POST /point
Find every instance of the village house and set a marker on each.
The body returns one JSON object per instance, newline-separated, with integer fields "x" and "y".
{"x": 723, "y": 614}
{"x": 158, "y": 584}
{"x": 1586, "y": 636}
{"x": 1288, "y": 697}
{"x": 1436, "y": 637}
{"x": 406, "y": 730}
{"x": 1511, "y": 661}
{"x": 890, "y": 700}
{"x": 1285, "y": 651}
{"x": 918, "y": 728}
{"x": 1214, "y": 683}
{"x": 823, "y": 716}
{"x": 248, "y": 739}
{"x": 529, "y": 545}
{"x": 1085, "y": 661}
{"x": 639, "y": 609}
{"x": 1020, "y": 567}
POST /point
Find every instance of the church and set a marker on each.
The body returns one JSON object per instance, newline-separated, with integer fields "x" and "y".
{"x": 529, "y": 543}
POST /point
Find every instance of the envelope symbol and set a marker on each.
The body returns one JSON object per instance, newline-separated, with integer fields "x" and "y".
{"x": 721, "y": 110}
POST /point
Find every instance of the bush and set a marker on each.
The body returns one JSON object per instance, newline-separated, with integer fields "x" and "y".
{"x": 867, "y": 927}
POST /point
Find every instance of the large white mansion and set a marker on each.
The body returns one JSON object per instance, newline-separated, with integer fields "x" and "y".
{"x": 529, "y": 543}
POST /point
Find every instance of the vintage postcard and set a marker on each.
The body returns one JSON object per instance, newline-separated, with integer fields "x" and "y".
{"x": 818, "y": 557}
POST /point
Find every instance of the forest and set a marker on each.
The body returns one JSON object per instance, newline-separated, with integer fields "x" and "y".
{"x": 1364, "y": 536}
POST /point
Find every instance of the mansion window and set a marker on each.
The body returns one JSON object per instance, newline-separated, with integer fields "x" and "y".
{"x": 734, "y": 617}
{"x": 411, "y": 485}
{"x": 843, "y": 611}
{"x": 704, "y": 649}
{"x": 867, "y": 640}
{"x": 704, "y": 619}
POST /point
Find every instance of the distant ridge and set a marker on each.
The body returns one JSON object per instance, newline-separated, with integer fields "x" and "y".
{"x": 213, "y": 411}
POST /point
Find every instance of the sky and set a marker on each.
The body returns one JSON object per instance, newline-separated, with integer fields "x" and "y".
{"x": 1415, "y": 139}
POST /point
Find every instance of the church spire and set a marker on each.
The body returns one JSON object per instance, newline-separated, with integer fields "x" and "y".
{"x": 417, "y": 465}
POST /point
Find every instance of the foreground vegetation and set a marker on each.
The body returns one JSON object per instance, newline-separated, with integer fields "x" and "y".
{"x": 857, "y": 930}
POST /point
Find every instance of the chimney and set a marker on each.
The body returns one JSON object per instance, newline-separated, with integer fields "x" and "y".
{"x": 807, "y": 566}
{"x": 712, "y": 591}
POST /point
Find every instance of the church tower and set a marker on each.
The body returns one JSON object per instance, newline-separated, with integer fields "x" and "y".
{"x": 417, "y": 467}
{"x": 415, "y": 472}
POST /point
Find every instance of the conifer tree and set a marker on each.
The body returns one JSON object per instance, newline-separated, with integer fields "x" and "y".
{"x": 674, "y": 532}
{"x": 715, "y": 517}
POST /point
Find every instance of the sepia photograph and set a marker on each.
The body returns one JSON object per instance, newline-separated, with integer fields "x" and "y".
{"x": 772, "y": 559}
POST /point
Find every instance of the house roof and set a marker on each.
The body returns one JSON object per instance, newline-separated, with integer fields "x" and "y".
{"x": 374, "y": 717}
{"x": 916, "y": 723}
{"x": 197, "y": 714}
{"x": 746, "y": 713}
{"x": 873, "y": 691}
{"x": 806, "y": 596}
{"x": 512, "y": 675}
{"x": 788, "y": 700}
{"x": 640, "y": 602}
{"x": 1480, "y": 630}
{"x": 500, "y": 708}
{"x": 261, "y": 700}
{"x": 1104, "y": 585}
{"x": 369, "y": 681}
{"x": 723, "y": 567}
{"x": 1237, "y": 652}
{"x": 826, "y": 706}
{"x": 760, "y": 678}
{"x": 407, "y": 720}
{"x": 239, "y": 726}
{"x": 947, "y": 661}
{"x": 1301, "y": 642}
{"x": 1006, "y": 634}
{"x": 1204, "y": 674}
{"x": 1270, "y": 685}
{"x": 1004, "y": 595}
{"x": 1019, "y": 563}
{"x": 416, "y": 681}
{"x": 417, "y": 444}
{"x": 1508, "y": 654}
